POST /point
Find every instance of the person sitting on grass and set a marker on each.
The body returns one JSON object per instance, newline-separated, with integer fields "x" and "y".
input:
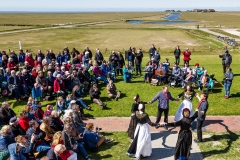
{"x": 6, "y": 113}
{"x": 112, "y": 91}
{"x": 148, "y": 72}
{"x": 48, "y": 111}
{"x": 60, "y": 152}
{"x": 45, "y": 127}
{"x": 38, "y": 112}
{"x": 95, "y": 96}
{"x": 15, "y": 127}
{"x": 23, "y": 121}
{"x": 99, "y": 74}
{"x": 77, "y": 120}
{"x": 17, "y": 151}
{"x": 60, "y": 105}
{"x": 92, "y": 139}
{"x": 55, "y": 122}
{"x": 14, "y": 85}
{"x": 40, "y": 145}
{"x": 36, "y": 92}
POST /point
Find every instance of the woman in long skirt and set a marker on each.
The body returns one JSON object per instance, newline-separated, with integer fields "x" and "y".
{"x": 141, "y": 145}
{"x": 184, "y": 142}
{"x": 188, "y": 95}
{"x": 133, "y": 122}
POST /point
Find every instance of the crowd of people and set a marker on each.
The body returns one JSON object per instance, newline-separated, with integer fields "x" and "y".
{"x": 68, "y": 76}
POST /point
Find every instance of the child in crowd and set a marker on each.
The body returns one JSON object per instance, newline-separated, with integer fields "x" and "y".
{"x": 60, "y": 105}
{"x": 48, "y": 111}
{"x": 38, "y": 112}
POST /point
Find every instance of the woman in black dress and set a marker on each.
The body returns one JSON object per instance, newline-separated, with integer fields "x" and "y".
{"x": 133, "y": 122}
{"x": 184, "y": 142}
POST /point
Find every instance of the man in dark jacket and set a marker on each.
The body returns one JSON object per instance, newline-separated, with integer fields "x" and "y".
{"x": 138, "y": 61}
{"x": 6, "y": 113}
{"x": 28, "y": 78}
{"x": 14, "y": 84}
{"x": 177, "y": 53}
{"x": 151, "y": 52}
{"x": 89, "y": 52}
{"x": 226, "y": 60}
{"x": 15, "y": 127}
{"x": 40, "y": 145}
{"x": 95, "y": 96}
{"x": 201, "y": 115}
{"x": 98, "y": 57}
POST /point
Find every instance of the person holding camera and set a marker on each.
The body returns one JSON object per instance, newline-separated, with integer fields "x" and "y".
{"x": 228, "y": 77}
{"x": 93, "y": 139}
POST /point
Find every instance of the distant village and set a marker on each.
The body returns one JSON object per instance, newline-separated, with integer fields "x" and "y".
{"x": 194, "y": 10}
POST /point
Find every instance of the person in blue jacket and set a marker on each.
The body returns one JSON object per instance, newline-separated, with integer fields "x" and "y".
{"x": 59, "y": 58}
{"x": 16, "y": 151}
{"x": 126, "y": 74}
{"x": 36, "y": 92}
{"x": 6, "y": 138}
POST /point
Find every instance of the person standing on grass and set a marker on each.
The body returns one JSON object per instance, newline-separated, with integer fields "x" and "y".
{"x": 177, "y": 53}
{"x": 228, "y": 77}
{"x": 201, "y": 115}
{"x": 186, "y": 55}
{"x": 226, "y": 60}
{"x": 138, "y": 61}
{"x": 163, "y": 98}
{"x": 151, "y": 52}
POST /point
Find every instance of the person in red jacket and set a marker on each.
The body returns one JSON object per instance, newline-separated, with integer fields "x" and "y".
{"x": 59, "y": 85}
{"x": 11, "y": 65}
{"x": 23, "y": 120}
{"x": 186, "y": 55}
{"x": 30, "y": 59}
{"x": 38, "y": 62}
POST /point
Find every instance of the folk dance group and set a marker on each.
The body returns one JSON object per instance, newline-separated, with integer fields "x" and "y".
{"x": 139, "y": 130}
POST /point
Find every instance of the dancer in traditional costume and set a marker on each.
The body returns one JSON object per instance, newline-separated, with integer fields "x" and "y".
{"x": 133, "y": 122}
{"x": 141, "y": 145}
{"x": 184, "y": 142}
{"x": 188, "y": 95}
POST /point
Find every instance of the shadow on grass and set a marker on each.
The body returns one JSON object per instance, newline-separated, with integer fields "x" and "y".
{"x": 236, "y": 95}
{"x": 216, "y": 90}
{"x": 235, "y": 75}
{"x": 230, "y": 137}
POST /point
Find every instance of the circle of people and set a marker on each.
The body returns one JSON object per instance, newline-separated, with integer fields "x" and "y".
{"x": 50, "y": 75}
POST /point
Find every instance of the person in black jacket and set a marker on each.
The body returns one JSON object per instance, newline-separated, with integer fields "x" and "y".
{"x": 6, "y": 113}
{"x": 74, "y": 52}
{"x": 177, "y": 53}
{"x": 28, "y": 78}
{"x": 201, "y": 114}
{"x": 138, "y": 61}
{"x": 14, "y": 84}
{"x": 55, "y": 122}
{"x": 89, "y": 52}
{"x": 151, "y": 52}
{"x": 95, "y": 96}
{"x": 15, "y": 127}
{"x": 121, "y": 63}
{"x": 40, "y": 145}
{"x": 98, "y": 57}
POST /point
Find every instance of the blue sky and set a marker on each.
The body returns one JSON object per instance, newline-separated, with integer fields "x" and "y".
{"x": 84, "y": 5}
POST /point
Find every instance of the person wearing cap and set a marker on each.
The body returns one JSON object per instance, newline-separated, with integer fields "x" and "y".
{"x": 141, "y": 144}
{"x": 89, "y": 52}
{"x": 226, "y": 60}
{"x": 16, "y": 128}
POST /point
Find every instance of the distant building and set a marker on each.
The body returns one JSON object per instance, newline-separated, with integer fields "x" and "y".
{"x": 211, "y": 10}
